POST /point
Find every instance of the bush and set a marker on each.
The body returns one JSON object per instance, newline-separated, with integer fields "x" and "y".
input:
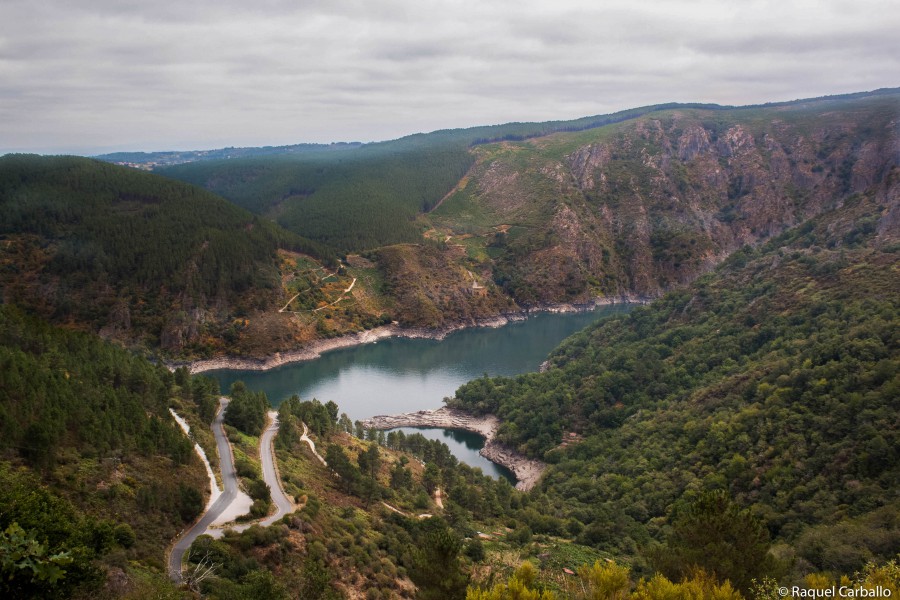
{"x": 124, "y": 535}
{"x": 190, "y": 503}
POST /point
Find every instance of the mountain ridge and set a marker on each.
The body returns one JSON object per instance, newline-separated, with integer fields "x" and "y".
{"x": 629, "y": 209}
{"x": 162, "y": 158}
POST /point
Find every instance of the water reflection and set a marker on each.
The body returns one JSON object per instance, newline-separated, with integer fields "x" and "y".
{"x": 465, "y": 446}
{"x": 401, "y": 375}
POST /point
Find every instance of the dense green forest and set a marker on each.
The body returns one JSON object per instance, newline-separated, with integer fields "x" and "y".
{"x": 351, "y": 200}
{"x": 775, "y": 379}
{"x": 132, "y": 252}
{"x": 94, "y": 472}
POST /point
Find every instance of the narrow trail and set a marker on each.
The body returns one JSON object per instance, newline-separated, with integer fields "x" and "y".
{"x": 347, "y": 291}
{"x": 400, "y": 512}
{"x": 394, "y": 509}
{"x": 463, "y": 181}
{"x": 312, "y": 444}
{"x": 284, "y": 308}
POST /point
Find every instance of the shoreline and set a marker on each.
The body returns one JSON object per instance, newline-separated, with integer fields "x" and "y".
{"x": 315, "y": 349}
{"x": 527, "y": 471}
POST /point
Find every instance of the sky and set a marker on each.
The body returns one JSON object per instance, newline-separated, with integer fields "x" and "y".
{"x": 92, "y": 76}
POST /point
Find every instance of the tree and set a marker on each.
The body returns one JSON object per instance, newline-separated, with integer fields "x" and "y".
{"x": 345, "y": 424}
{"x": 46, "y": 546}
{"x": 715, "y": 535}
{"x": 247, "y": 410}
{"x": 262, "y": 584}
{"x": 332, "y": 409}
{"x": 24, "y": 562}
{"x": 344, "y": 469}
{"x": 370, "y": 461}
{"x": 520, "y": 586}
{"x": 401, "y": 477}
{"x": 436, "y": 569}
{"x": 190, "y": 502}
{"x": 431, "y": 477}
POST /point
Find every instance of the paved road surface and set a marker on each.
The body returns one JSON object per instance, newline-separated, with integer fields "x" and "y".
{"x": 229, "y": 480}
{"x": 283, "y": 504}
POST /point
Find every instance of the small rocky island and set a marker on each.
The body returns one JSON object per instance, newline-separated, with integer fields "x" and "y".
{"x": 526, "y": 470}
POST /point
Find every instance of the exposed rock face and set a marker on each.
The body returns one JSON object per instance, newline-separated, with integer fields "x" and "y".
{"x": 119, "y": 322}
{"x": 182, "y": 328}
{"x": 656, "y": 202}
{"x": 587, "y": 161}
{"x": 694, "y": 141}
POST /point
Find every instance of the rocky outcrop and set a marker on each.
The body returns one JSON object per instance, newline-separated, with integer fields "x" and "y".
{"x": 653, "y": 203}
{"x": 588, "y": 161}
{"x": 693, "y": 141}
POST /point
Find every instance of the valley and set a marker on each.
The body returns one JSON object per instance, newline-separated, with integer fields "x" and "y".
{"x": 728, "y": 427}
{"x": 624, "y": 211}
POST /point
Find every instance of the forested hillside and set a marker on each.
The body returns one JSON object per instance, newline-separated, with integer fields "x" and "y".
{"x": 775, "y": 379}
{"x": 94, "y": 472}
{"x": 133, "y": 255}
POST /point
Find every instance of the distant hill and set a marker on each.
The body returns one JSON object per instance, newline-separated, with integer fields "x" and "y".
{"x": 152, "y": 160}
{"x": 366, "y": 197}
{"x": 132, "y": 255}
{"x": 370, "y": 196}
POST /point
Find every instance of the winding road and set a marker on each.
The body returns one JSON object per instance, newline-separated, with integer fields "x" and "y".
{"x": 283, "y": 504}
{"x": 229, "y": 481}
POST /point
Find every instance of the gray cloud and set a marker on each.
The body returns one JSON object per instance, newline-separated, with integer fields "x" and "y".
{"x": 115, "y": 74}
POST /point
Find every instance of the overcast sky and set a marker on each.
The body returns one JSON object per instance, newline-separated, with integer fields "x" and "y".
{"x": 89, "y": 76}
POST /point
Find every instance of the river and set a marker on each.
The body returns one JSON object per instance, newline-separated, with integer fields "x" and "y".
{"x": 397, "y": 375}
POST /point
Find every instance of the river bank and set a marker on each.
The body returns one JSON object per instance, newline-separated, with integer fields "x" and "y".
{"x": 526, "y": 470}
{"x": 315, "y": 349}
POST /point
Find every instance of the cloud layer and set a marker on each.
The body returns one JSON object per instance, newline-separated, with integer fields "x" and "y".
{"x": 123, "y": 74}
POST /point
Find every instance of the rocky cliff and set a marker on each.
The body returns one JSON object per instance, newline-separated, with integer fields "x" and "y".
{"x": 642, "y": 206}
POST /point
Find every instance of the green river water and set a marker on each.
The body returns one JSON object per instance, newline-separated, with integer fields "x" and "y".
{"x": 399, "y": 375}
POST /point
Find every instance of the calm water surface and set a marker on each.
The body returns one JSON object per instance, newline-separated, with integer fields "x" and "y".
{"x": 398, "y": 375}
